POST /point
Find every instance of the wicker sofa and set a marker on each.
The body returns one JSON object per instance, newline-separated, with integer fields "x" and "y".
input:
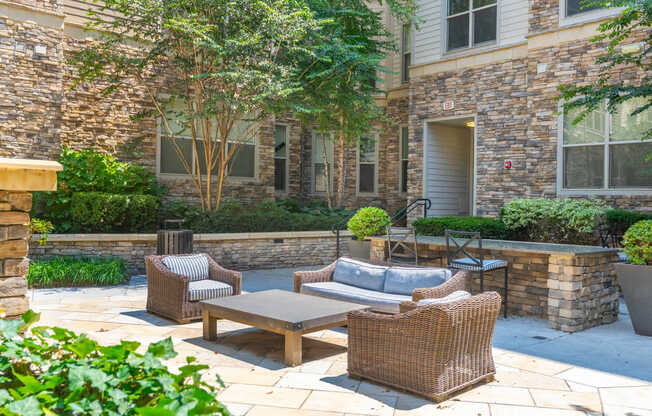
{"x": 382, "y": 287}
{"x": 432, "y": 350}
{"x": 171, "y": 295}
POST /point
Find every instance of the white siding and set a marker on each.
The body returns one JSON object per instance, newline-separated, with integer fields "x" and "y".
{"x": 427, "y": 41}
{"x": 448, "y": 170}
{"x": 513, "y": 24}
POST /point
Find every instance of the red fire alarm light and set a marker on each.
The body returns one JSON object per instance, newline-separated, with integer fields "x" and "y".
{"x": 508, "y": 164}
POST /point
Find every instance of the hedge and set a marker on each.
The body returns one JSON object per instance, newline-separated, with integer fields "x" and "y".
{"x": 76, "y": 271}
{"x": 95, "y": 212}
{"x": 619, "y": 220}
{"x": 488, "y": 228}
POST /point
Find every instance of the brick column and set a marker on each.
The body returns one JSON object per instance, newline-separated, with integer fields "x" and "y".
{"x": 17, "y": 178}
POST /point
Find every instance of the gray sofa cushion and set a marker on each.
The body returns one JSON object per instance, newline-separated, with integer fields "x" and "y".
{"x": 208, "y": 289}
{"x": 359, "y": 274}
{"x": 457, "y": 295}
{"x": 403, "y": 280}
{"x": 379, "y": 301}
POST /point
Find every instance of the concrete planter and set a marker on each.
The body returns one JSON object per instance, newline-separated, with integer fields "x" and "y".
{"x": 636, "y": 282}
{"x": 359, "y": 249}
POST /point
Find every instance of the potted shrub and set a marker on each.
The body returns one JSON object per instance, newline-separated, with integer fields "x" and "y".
{"x": 635, "y": 278}
{"x": 367, "y": 222}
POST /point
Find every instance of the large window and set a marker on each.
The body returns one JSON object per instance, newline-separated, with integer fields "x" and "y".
{"x": 320, "y": 143}
{"x": 367, "y": 165}
{"x": 243, "y": 163}
{"x": 574, "y": 7}
{"x": 280, "y": 158}
{"x": 605, "y": 151}
{"x": 406, "y": 53}
{"x": 403, "y": 176}
{"x": 470, "y": 23}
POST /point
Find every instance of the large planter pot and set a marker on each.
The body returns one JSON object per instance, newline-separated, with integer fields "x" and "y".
{"x": 360, "y": 249}
{"x": 636, "y": 282}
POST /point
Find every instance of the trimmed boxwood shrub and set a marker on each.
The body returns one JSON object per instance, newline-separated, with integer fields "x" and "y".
{"x": 95, "y": 212}
{"x": 367, "y": 222}
{"x": 619, "y": 220}
{"x": 76, "y": 271}
{"x": 637, "y": 243}
{"x": 488, "y": 227}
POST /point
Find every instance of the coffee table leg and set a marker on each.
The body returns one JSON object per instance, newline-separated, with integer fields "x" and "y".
{"x": 209, "y": 323}
{"x": 292, "y": 348}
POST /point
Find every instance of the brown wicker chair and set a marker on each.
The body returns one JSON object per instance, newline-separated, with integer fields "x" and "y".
{"x": 167, "y": 292}
{"x": 431, "y": 350}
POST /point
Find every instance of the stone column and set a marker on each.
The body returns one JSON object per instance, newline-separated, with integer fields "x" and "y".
{"x": 17, "y": 178}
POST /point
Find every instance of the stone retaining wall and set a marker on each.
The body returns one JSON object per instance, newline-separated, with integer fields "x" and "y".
{"x": 238, "y": 251}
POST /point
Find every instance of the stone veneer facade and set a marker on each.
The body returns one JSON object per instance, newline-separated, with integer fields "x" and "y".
{"x": 14, "y": 234}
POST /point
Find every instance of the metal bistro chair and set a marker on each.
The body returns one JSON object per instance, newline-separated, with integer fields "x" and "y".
{"x": 471, "y": 263}
{"x": 399, "y": 250}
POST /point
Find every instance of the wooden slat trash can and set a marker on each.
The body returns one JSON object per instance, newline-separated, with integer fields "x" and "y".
{"x": 173, "y": 241}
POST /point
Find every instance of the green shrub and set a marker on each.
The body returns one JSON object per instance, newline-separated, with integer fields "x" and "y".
{"x": 571, "y": 221}
{"x": 637, "y": 243}
{"x": 367, "y": 222}
{"x": 90, "y": 171}
{"x": 53, "y": 371}
{"x": 619, "y": 220}
{"x": 95, "y": 212}
{"x": 42, "y": 227}
{"x": 488, "y": 228}
{"x": 76, "y": 271}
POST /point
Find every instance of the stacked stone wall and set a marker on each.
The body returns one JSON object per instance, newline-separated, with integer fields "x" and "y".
{"x": 14, "y": 234}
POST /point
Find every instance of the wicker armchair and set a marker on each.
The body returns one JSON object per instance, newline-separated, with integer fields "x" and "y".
{"x": 167, "y": 292}
{"x": 432, "y": 350}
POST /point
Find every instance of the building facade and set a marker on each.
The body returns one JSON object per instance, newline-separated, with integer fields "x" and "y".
{"x": 471, "y": 93}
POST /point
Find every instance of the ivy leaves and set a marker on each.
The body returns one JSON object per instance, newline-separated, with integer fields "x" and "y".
{"x": 53, "y": 371}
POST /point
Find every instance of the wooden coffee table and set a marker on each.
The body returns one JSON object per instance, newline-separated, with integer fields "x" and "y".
{"x": 286, "y": 313}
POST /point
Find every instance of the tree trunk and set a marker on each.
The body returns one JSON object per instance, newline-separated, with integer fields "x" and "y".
{"x": 327, "y": 172}
{"x": 341, "y": 171}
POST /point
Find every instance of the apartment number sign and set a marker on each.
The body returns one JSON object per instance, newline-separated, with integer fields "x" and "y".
{"x": 449, "y": 105}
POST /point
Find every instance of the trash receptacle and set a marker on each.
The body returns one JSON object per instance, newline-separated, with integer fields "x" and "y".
{"x": 173, "y": 241}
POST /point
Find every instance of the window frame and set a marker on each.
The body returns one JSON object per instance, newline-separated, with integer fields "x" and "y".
{"x": 159, "y": 137}
{"x": 585, "y": 16}
{"x": 470, "y": 11}
{"x": 375, "y": 164}
{"x": 606, "y": 144}
{"x": 406, "y": 52}
{"x": 313, "y": 182}
{"x": 287, "y": 157}
{"x": 402, "y": 158}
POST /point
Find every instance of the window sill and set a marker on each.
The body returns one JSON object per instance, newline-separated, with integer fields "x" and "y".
{"x": 230, "y": 179}
{"x": 469, "y": 50}
{"x": 592, "y": 16}
{"x": 606, "y": 192}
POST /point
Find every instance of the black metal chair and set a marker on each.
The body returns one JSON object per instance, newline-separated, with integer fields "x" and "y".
{"x": 398, "y": 247}
{"x": 471, "y": 263}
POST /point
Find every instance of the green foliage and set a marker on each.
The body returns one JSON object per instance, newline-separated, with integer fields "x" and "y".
{"x": 637, "y": 243}
{"x": 488, "y": 228}
{"x": 42, "y": 227}
{"x": 234, "y": 217}
{"x": 367, "y": 222}
{"x": 53, "y": 371}
{"x": 570, "y": 221}
{"x": 619, "y": 220}
{"x": 95, "y": 212}
{"x": 76, "y": 271}
{"x": 90, "y": 171}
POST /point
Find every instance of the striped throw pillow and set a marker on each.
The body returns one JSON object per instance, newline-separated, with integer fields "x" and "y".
{"x": 194, "y": 267}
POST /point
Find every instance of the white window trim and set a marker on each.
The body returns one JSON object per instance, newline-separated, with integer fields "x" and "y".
{"x": 585, "y": 17}
{"x": 405, "y": 70}
{"x": 401, "y": 159}
{"x": 230, "y": 178}
{"x": 312, "y": 165}
{"x": 605, "y": 190}
{"x": 287, "y": 158}
{"x": 357, "y": 169}
{"x": 485, "y": 45}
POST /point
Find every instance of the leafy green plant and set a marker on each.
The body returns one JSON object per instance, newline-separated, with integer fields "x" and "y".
{"x": 90, "y": 171}
{"x": 41, "y": 227}
{"x": 76, "y": 271}
{"x": 637, "y": 243}
{"x": 619, "y": 220}
{"x": 95, "y": 212}
{"x": 53, "y": 371}
{"x": 571, "y": 221}
{"x": 367, "y": 222}
{"x": 488, "y": 227}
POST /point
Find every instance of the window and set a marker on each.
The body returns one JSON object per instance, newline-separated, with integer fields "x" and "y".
{"x": 574, "y": 7}
{"x": 406, "y": 55}
{"x": 403, "y": 177}
{"x": 367, "y": 163}
{"x": 605, "y": 151}
{"x": 243, "y": 161}
{"x": 470, "y": 23}
{"x": 280, "y": 158}
{"x": 319, "y": 180}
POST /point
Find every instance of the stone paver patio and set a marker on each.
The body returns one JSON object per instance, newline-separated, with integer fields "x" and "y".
{"x": 605, "y": 370}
